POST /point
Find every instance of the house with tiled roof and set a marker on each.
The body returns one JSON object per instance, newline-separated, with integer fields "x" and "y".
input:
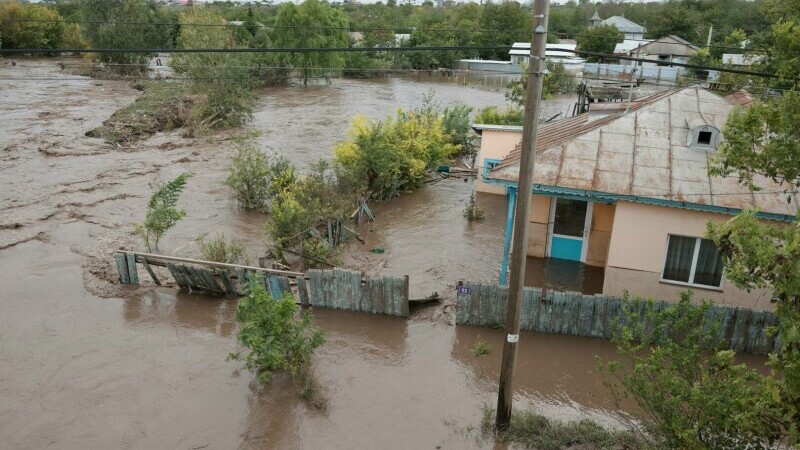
{"x": 628, "y": 192}
{"x": 630, "y": 29}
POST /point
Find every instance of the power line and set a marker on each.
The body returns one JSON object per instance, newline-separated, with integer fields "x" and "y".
{"x": 254, "y": 50}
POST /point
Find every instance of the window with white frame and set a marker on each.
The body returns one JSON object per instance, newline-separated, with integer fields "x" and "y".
{"x": 693, "y": 261}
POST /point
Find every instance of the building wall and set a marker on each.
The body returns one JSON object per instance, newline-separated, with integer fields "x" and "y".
{"x": 537, "y": 225}
{"x": 600, "y": 234}
{"x": 638, "y": 248}
{"x": 495, "y": 145}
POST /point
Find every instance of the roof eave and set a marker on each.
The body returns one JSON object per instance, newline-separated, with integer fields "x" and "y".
{"x": 607, "y": 197}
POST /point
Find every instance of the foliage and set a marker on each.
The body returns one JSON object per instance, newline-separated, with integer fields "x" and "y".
{"x": 249, "y": 176}
{"x": 311, "y": 24}
{"x": 762, "y": 140}
{"x": 161, "y": 212}
{"x": 557, "y": 81}
{"x": 455, "y": 120}
{"x": 675, "y": 19}
{"x": 223, "y": 79}
{"x": 701, "y": 58}
{"x": 301, "y": 203}
{"x": 316, "y": 251}
{"x": 130, "y": 24}
{"x": 600, "y": 39}
{"x": 492, "y": 115}
{"x": 692, "y": 391}
{"x": 506, "y": 22}
{"x": 480, "y": 348}
{"x": 533, "y": 430}
{"x": 759, "y": 255}
{"x": 472, "y": 211}
{"x": 388, "y": 157}
{"x": 222, "y": 250}
{"x": 30, "y": 26}
{"x": 277, "y": 336}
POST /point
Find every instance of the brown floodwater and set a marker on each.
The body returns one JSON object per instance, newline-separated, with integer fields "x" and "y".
{"x": 86, "y": 363}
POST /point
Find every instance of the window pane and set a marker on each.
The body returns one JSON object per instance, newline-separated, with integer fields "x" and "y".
{"x": 570, "y": 217}
{"x": 709, "y": 265}
{"x": 680, "y": 252}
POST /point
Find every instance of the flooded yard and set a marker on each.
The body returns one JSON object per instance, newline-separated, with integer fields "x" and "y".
{"x": 85, "y": 363}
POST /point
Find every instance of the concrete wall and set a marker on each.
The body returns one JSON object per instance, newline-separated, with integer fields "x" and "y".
{"x": 638, "y": 248}
{"x": 495, "y": 145}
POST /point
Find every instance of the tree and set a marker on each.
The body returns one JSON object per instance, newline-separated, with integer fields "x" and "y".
{"x": 504, "y": 22}
{"x": 161, "y": 212}
{"x": 557, "y": 81}
{"x": 312, "y": 24}
{"x": 693, "y": 393}
{"x": 30, "y": 26}
{"x": 763, "y": 142}
{"x": 600, "y": 39}
{"x": 222, "y": 78}
{"x": 677, "y": 19}
{"x": 124, "y": 24}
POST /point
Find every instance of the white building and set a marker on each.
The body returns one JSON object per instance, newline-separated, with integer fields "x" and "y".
{"x": 563, "y": 54}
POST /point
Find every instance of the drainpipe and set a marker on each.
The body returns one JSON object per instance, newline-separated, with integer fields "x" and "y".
{"x": 511, "y": 194}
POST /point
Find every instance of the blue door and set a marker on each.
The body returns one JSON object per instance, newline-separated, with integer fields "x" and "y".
{"x": 569, "y": 228}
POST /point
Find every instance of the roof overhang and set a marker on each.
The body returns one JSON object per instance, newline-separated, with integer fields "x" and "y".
{"x": 606, "y": 197}
{"x": 480, "y": 127}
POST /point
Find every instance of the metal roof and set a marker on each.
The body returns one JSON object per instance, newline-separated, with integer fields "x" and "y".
{"x": 624, "y": 25}
{"x": 643, "y": 154}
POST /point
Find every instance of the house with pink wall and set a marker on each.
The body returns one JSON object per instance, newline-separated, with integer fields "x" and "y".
{"x": 628, "y": 191}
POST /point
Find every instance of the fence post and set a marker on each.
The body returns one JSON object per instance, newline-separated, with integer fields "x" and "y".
{"x": 122, "y": 267}
{"x": 132, "y": 273}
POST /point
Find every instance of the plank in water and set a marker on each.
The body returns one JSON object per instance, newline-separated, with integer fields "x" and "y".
{"x": 122, "y": 267}
{"x": 134, "y": 275}
{"x": 150, "y": 271}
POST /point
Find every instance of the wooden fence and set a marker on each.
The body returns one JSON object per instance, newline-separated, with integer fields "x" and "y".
{"x": 594, "y": 315}
{"x": 337, "y": 288}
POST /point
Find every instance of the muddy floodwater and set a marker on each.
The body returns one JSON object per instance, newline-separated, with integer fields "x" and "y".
{"x": 87, "y": 364}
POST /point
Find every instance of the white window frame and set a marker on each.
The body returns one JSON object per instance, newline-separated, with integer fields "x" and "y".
{"x": 696, "y": 253}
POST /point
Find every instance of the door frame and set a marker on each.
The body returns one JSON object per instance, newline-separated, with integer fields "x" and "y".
{"x": 587, "y": 227}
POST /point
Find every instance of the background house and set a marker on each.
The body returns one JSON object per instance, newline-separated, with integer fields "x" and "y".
{"x": 629, "y": 193}
{"x": 630, "y": 29}
{"x": 663, "y": 50}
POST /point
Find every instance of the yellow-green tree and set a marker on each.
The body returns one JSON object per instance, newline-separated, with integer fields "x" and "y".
{"x": 388, "y": 157}
{"x": 30, "y": 26}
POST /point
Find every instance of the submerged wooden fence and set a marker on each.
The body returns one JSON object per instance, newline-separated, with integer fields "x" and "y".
{"x": 337, "y": 288}
{"x": 595, "y": 315}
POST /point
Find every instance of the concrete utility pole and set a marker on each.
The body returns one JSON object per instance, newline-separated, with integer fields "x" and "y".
{"x": 710, "y": 32}
{"x": 536, "y": 71}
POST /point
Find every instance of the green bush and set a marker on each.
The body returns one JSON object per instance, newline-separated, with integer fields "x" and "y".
{"x": 386, "y": 158}
{"x": 492, "y": 115}
{"x": 161, "y": 212}
{"x": 692, "y": 391}
{"x": 278, "y": 338}
{"x": 481, "y": 348}
{"x": 472, "y": 211}
{"x": 249, "y": 176}
{"x": 222, "y": 250}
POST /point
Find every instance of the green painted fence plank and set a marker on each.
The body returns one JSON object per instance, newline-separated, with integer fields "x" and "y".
{"x": 133, "y": 274}
{"x": 122, "y": 268}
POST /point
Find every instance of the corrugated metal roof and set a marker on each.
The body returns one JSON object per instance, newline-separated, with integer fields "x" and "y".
{"x": 645, "y": 153}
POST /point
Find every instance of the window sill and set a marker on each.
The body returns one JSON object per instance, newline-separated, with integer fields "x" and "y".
{"x": 692, "y": 286}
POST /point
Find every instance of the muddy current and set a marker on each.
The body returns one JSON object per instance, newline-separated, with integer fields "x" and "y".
{"x": 85, "y": 363}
